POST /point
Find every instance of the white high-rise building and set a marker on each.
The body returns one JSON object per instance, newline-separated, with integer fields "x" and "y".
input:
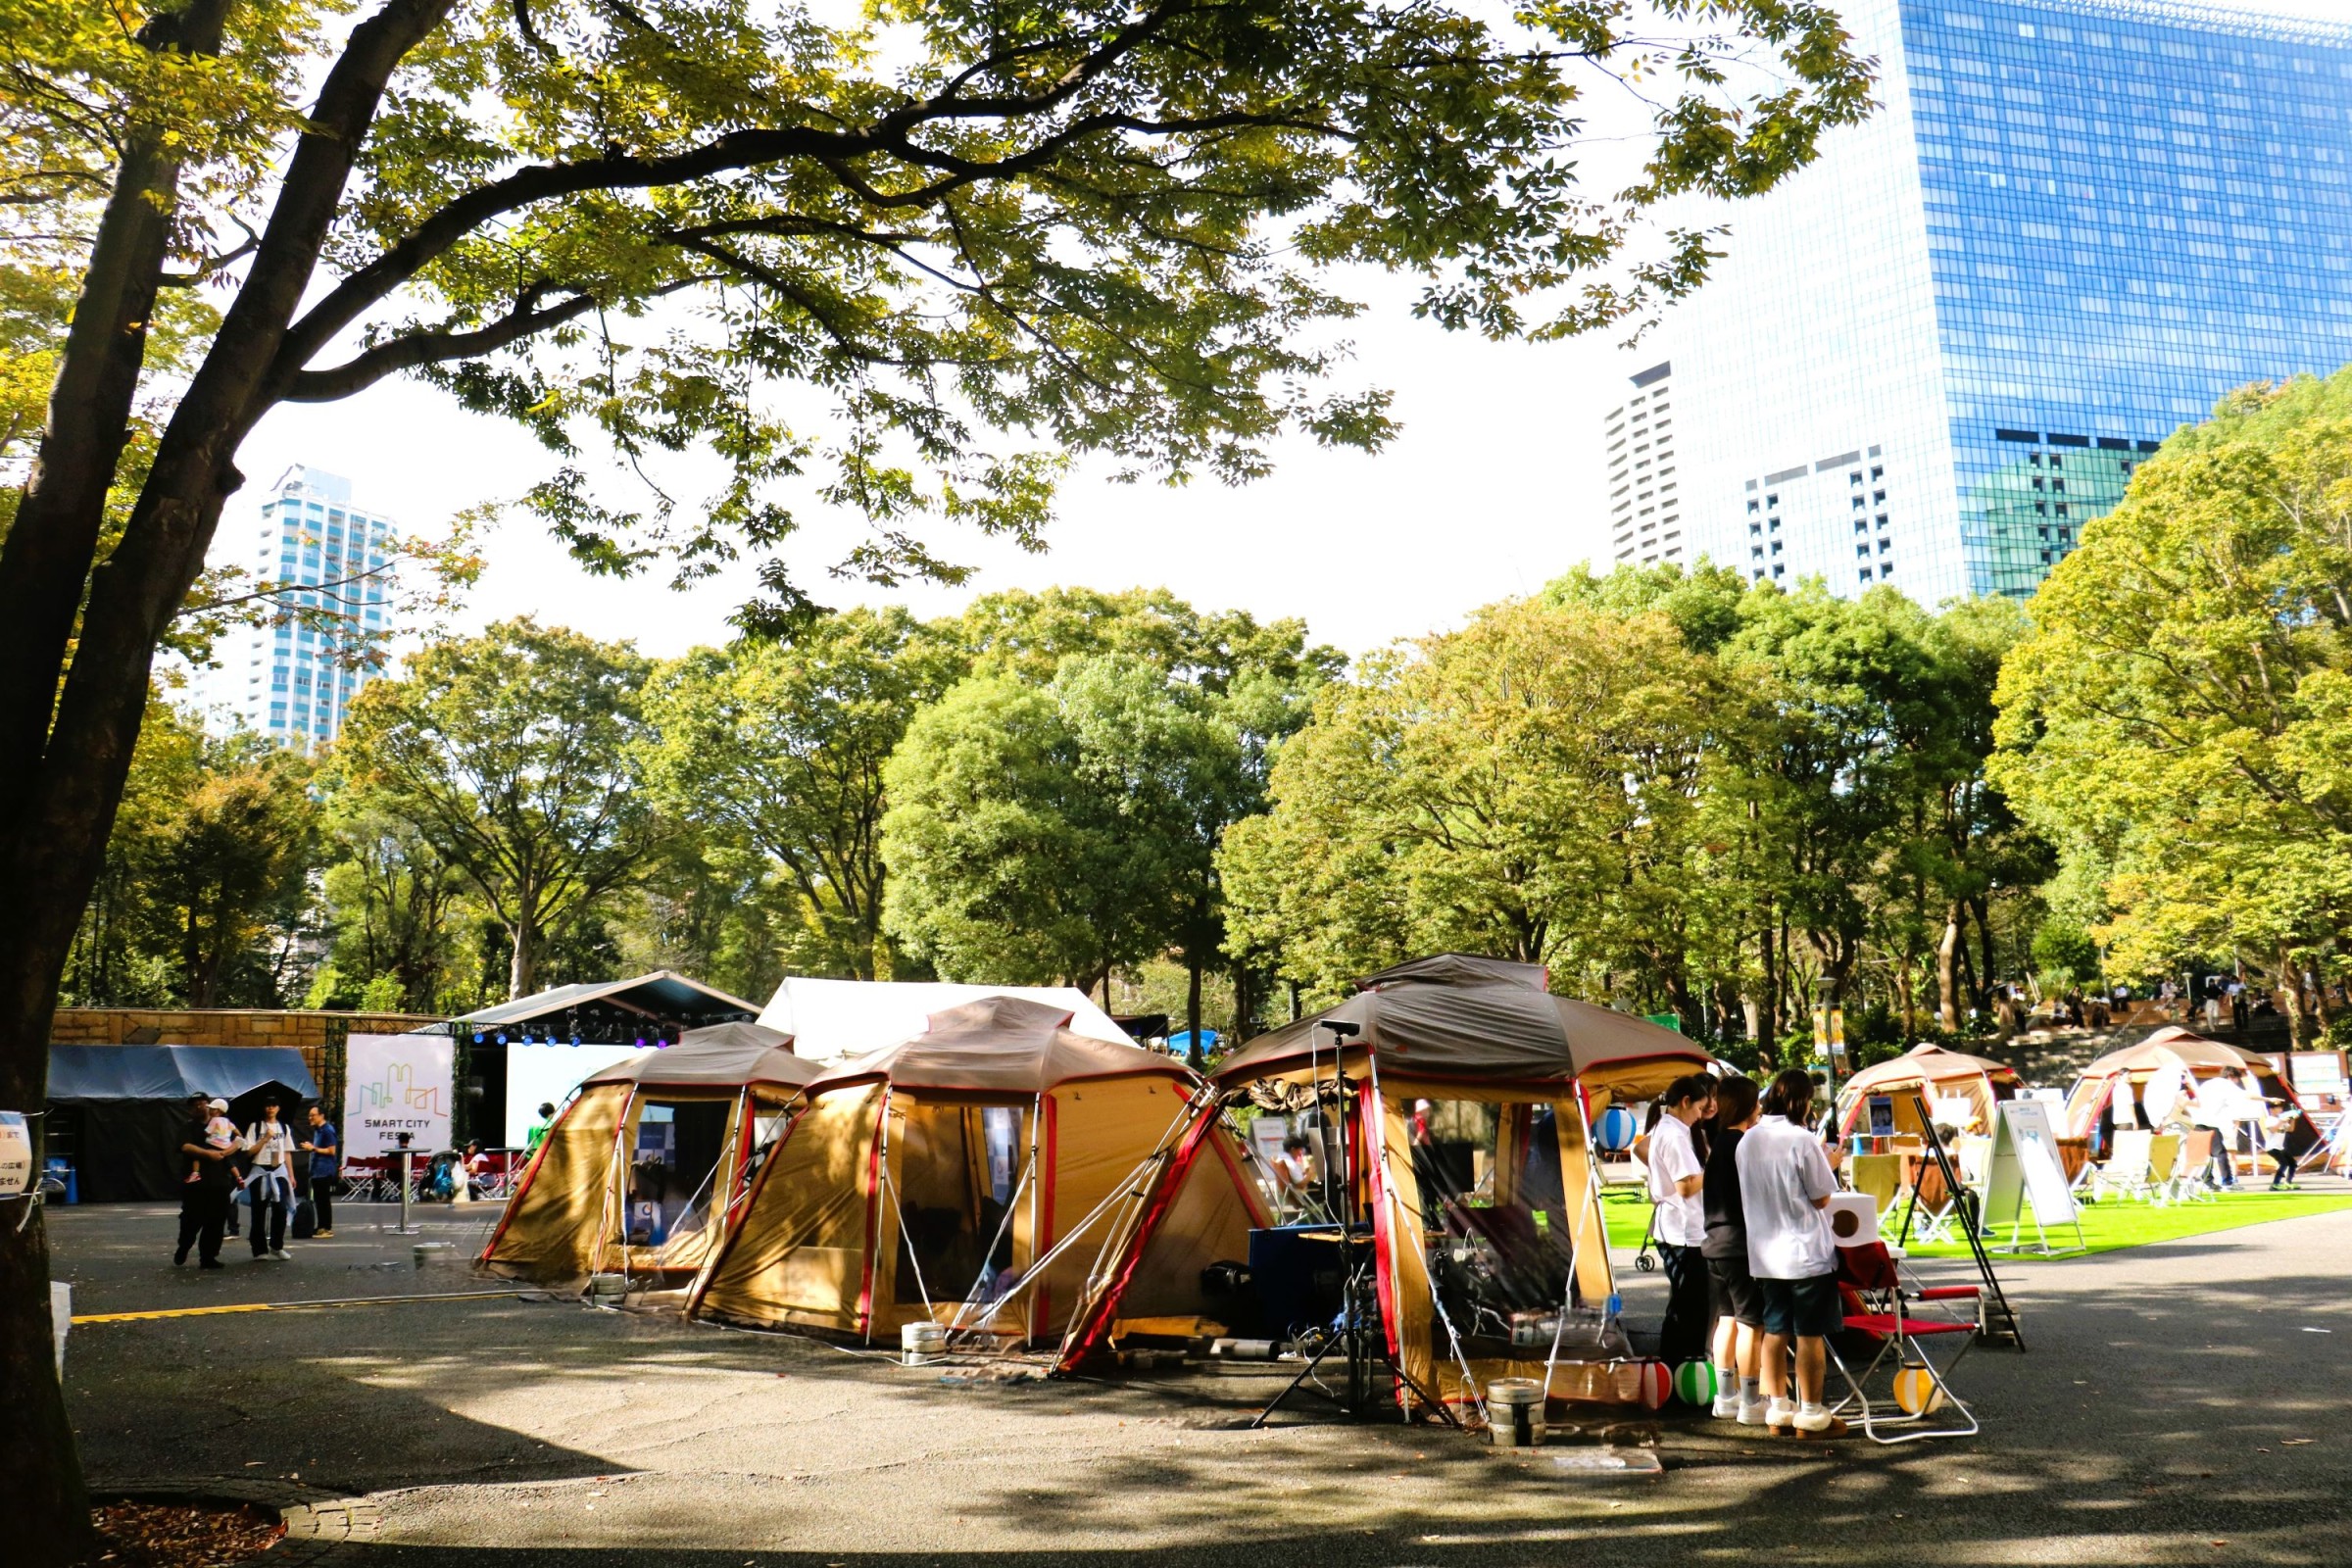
{"x": 1646, "y": 519}
{"x": 292, "y": 678}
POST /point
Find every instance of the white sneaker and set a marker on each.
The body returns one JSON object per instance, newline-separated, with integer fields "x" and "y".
{"x": 281, "y": 1255}
{"x": 1754, "y": 1412}
{"x": 1780, "y": 1414}
{"x": 1727, "y": 1405}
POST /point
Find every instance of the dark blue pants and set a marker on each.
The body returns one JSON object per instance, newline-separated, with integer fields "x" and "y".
{"x": 1682, "y": 1337}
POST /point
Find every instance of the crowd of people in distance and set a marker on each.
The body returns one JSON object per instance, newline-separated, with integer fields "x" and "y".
{"x": 272, "y": 1171}
{"x": 265, "y": 1167}
{"x": 1741, "y": 1183}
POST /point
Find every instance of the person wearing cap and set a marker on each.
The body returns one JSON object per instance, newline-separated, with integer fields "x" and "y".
{"x": 208, "y": 1184}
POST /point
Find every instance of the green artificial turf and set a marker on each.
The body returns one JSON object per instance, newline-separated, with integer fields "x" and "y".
{"x": 2106, "y": 1226}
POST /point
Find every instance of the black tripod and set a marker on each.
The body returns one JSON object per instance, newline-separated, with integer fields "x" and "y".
{"x": 1964, "y": 1204}
{"x": 1373, "y": 1375}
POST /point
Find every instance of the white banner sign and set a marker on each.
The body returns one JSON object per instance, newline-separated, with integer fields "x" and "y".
{"x": 395, "y": 1084}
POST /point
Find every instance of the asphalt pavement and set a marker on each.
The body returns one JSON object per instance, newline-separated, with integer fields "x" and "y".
{"x": 2179, "y": 1403}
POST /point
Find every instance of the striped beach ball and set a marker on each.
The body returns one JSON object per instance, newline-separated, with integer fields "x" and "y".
{"x": 1616, "y": 1130}
{"x": 1655, "y": 1386}
{"x": 1916, "y": 1390}
{"x": 1694, "y": 1383}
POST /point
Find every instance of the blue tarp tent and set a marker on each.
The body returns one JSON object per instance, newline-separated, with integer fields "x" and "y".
{"x": 118, "y": 1111}
{"x": 83, "y": 1073}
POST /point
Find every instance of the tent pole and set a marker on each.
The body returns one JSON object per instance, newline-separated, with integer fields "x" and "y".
{"x": 892, "y": 1188}
{"x": 1069, "y": 1239}
{"x": 614, "y": 1178}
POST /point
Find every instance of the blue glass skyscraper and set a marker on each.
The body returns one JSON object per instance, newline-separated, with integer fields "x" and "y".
{"x": 2070, "y": 226}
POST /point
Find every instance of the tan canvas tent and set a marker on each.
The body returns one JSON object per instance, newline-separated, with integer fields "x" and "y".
{"x": 640, "y": 1171}
{"x": 1464, "y": 1091}
{"x": 1939, "y": 1074}
{"x": 973, "y": 1176}
{"x": 2195, "y": 1056}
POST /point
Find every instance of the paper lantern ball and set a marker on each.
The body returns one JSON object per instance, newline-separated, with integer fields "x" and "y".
{"x": 1916, "y": 1390}
{"x": 1694, "y": 1383}
{"x": 1655, "y": 1385}
{"x": 1616, "y": 1129}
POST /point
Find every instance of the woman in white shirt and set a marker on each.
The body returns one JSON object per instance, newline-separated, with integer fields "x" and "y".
{"x": 1677, "y": 1175}
{"x": 268, "y": 1144}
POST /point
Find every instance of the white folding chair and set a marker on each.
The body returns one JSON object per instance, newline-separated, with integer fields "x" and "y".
{"x": 2124, "y": 1174}
{"x": 2193, "y": 1172}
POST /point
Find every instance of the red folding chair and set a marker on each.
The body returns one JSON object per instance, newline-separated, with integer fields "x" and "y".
{"x": 1917, "y": 1390}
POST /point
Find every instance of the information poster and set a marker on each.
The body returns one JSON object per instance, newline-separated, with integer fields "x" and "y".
{"x": 15, "y": 1154}
{"x": 395, "y": 1084}
{"x": 2024, "y": 1167}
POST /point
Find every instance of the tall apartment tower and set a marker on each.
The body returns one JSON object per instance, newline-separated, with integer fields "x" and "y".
{"x": 1645, "y": 523}
{"x": 2070, "y": 228}
{"x": 293, "y": 678}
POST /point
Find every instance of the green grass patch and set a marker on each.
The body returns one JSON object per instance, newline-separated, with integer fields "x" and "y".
{"x": 2107, "y": 1227}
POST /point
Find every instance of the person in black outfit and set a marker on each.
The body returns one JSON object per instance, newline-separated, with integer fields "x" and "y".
{"x": 205, "y": 1196}
{"x": 1737, "y": 1300}
{"x": 1677, "y": 1169}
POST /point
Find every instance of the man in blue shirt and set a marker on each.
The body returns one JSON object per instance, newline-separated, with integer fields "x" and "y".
{"x": 327, "y": 1165}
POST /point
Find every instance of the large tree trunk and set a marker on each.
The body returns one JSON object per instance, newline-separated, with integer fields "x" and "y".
{"x": 1195, "y": 1053}
{"x": 70, "y": 748}
{"x": 2290, "y": 1001}
{"x": 522, "y": 959}
{"x": 1948, "y": 971}
{"x": 1983, "y": 910}
{"x": 44, "y": 562}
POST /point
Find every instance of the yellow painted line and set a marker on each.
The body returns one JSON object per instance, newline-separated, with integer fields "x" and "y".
{"x": 283, "y": 1306}
{"x": 177, "y": 1312}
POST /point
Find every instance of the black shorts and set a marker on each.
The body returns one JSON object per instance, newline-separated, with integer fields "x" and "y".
{"x": 1732, "y": 1292}
{"x": 1805, "y": 1309}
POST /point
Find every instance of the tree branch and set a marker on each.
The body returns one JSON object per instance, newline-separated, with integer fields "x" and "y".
{"x": 364, "y": 370}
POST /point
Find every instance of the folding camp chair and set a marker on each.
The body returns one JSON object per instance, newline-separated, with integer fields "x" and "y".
{"x": 2125, "y": 1172}
{"x": 1880, "y": 1176}
{"x": 1934, "y": 1211}
{"x": 1917, "y": 1390}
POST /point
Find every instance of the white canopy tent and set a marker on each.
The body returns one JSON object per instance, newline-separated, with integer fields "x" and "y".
{"x": 831, "y": 1020}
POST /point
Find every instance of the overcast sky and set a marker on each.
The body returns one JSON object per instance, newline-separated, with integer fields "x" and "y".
{"x": 1492, "y": 489}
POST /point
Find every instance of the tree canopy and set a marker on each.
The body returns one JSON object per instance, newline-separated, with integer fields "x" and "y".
{"x": 1681, "y": 793}
{"x": 780, "y": 747}
{"x": 515, "y": 754}
{"x": 2179, "y": 723}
